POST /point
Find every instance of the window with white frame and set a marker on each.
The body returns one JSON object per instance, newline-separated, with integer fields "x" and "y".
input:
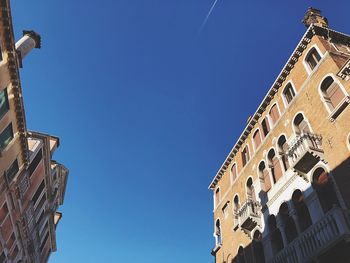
{"x": 288, "y": 93}
{"x": 217, "y": 196}
{"x": 274, "y": 114}
{"x": 225, "y": 209}
{"x": 245, "y": 155}
{"x": 257, "y": 139}
{"x": 332, "y": 93}
{"x": 234, "y": 172}
{"x": 312, "y": 58}
{"x": 265, "y": 126}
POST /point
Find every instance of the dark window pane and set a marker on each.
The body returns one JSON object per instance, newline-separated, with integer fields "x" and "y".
{"x": 12, "y": 171}
{"x": 6, "y": 136}
{"x": 35, "y": 162}
{"x": 4, "y": 104}
{"x": 265, "y": 127}
{"x": 38, "y": 192}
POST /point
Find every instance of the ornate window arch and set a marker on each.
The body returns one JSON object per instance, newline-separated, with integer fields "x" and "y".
{"x": 303, "y": 214}
{"x": 282, "y": 147}
{"x": 217, "y": 233}
{"x": 289, "y": 225}
{"x": 275, "y": 235}
{"x": 274, "y": 164}
{"x": 324, "y": 187}
{"x": 250, "y": 188}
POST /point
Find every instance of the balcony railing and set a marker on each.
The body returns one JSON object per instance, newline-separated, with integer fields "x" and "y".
{"x": 319, "y": 237}
{"x": 305, "y": 152}
{"x": 249, "y": 215}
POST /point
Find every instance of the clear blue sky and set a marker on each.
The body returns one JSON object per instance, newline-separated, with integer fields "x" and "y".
{"x": 147, "y": 109}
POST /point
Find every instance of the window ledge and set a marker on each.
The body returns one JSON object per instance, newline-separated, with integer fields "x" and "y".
{"x": 341, "y": 106}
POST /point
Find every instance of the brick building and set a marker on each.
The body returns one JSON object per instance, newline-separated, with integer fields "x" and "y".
{"x": 32, "y": 185}
{"x": 282, "y": 194}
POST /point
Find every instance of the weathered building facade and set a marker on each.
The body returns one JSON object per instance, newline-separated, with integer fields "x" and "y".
{"x": 32, "y": 185}
{"x": 282, "y": 194}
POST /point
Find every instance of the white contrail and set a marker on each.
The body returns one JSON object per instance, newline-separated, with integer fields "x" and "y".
{"x": 208, "y": 15}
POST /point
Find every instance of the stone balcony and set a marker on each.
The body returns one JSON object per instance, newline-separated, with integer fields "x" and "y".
{"x": 305, "y": 152}
{"x": 318, "y": 238}
{"x": 249, "y": 215}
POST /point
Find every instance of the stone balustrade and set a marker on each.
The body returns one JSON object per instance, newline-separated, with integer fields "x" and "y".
{"x": 333, "y": 227}
{"x": 305, "y": 151}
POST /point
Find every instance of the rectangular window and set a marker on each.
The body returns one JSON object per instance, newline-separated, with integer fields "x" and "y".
{"x": 6, "y": 136}
{"x": 4, "y": 103}
{"x": 38, "y": 192}
{"x": 41, "y": 203}
{"x": 3, "y": 213}
{"x": 12, "y": 171}
{"x": 35, "y": 162}
{"x": 44, "y": 241}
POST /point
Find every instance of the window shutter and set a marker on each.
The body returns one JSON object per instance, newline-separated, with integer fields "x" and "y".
{"x": 335, "y": 94}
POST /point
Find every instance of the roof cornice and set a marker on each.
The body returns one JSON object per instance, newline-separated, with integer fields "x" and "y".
{"x": 293, "y": 59}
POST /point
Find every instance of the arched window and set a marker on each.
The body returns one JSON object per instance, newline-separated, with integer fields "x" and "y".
{"x": 218, "y": 232}
{"x": 332, "y": 93}
{"x": 264, "y": 176}
{"x": 217, "y": 196}
{"x": 241, "y": 255}
{"x": 288, "y": 223}
{"x": 250, "y": 189}
{"x": 289, "y": 93}
{"x": 274, "y": 163}
{"x": 282, "y": 149}
{"x": 257, "y": 139}
{"x": 265, "y": 126}
{"x": 324, "y": 188}
{"x": 236, "y": 207}
{"x": 275, "y": 235}
{"x": 274, "y": 114}
{"x": 304, "y": 218}
{"x": 236, "y": 204}
{"x": 258, "y": 248}
{"x": 245, "y": 155}
{"x": 234, "y": 172}
{"x": 300, "y": 124}
{"x": 312, "y": 58}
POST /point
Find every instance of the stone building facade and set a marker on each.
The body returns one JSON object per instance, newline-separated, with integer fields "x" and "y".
{"x": 282, "y": 194}
{"x": 32, "y": 184}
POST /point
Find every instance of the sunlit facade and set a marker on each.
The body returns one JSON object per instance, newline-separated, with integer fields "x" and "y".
{"x": 282, "y": 194}
{"x": 32, "y": 184}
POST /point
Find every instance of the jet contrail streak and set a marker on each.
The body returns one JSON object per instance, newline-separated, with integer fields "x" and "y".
{"x": 208, "y": 15}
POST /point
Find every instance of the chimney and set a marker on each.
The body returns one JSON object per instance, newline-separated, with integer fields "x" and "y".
{"x": 313, "y": 16}
{"x": 29, "y": 41}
